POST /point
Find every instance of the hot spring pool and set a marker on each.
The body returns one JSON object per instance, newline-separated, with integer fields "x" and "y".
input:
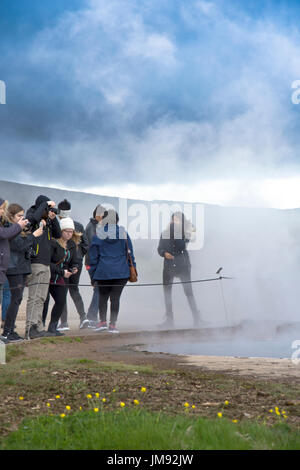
{"x": 273, "y": 348}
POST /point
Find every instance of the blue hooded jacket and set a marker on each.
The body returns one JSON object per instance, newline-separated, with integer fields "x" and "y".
{"x": 108, "y": 253}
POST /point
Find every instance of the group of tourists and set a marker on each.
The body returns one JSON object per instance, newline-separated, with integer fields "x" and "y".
{"x": 45, "y": 250}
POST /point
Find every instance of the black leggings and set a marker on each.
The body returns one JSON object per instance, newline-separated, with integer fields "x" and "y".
{"x": 185, "y": 277}
{"x": 16, "y": 284}
{"x": 59, "y": 294}
{"x": 110, "y": 289}
{"x": 72, "y": 284}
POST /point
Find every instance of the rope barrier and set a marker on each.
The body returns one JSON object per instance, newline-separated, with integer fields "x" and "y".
{"x": 127, "y": 285}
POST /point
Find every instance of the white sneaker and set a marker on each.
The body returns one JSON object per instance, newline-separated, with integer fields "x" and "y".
{"x": 63, "y": 327}
{"x": 101, "y": 326}
{"x": 84, "y": 323}
{"x": 113, "y": 329}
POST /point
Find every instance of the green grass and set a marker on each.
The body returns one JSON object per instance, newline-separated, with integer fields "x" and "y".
{"x": 136, "y": 429}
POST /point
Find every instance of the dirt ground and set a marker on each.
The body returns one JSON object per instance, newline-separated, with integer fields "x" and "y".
{"x": 117, "y": 366}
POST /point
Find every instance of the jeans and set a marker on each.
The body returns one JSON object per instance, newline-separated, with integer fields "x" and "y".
{"x": 4, "y": 298}
{"x": 38, "y": 286}
{"x": 17, "y": 285}
{"x": 110, "y": 289}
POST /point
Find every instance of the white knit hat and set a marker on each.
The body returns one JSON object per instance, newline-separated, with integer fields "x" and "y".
{"x": 67, "y": 223}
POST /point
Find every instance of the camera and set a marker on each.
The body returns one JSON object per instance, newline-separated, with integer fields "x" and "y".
{"x": 53, "y": 209}
{"x": 71, "y": 270}
{"x": 30, "y": 253}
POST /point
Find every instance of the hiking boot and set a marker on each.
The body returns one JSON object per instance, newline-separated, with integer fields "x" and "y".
{"x": 113, "y": 329}
{"x": 63, "y": 327}
{"x": 58, "y": 333}
{"x": 101, "y": 326}
{"x": 84, "y": 323}
{"x": 34, "y": 333}
{"x": 53, "y": 331}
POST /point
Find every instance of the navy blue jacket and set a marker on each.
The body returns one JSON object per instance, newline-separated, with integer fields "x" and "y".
{"x": 108, "y": 253}
{"x": 20, "y": 255}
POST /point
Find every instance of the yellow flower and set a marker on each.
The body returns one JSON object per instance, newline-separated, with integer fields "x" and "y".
{"x": 122, "y": 404}
{"x": 277, "y": 411}
{"x": 57, "y": 396}
{"x": 285, "y": 416}
{"x": 143, "y": 389}
{"x": 136, "y": 402}
{"x": 220, "y": 415}
{"x": 21, "y": 398}
{"x": 89, "y": 396}
{"x": 283, "y": 412}
{"x": 234, "y": 420}
{"x": 114, "y": 390}
{"x": 68, "y": 407}
{"x": 80, "y": 407}
{"x": 186, "y": 405}
{"x": 104, "y": 400}
{"x": 193, "y": 406}
{"x": 226, "y": 402}
{"x": 97, "y": 395}
{"x": 48, "y": 404}
{"x": 96, "y": 410}
{"x": 62, "y": 415}
{"x": 271, "y": 411}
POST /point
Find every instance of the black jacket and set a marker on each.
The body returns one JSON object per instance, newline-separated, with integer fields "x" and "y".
{"x": 7, "y": 232}
{"x": 177, "y": 248}
{"x": 20, "y": 247}
{"x": 42, "y": 245}
{"x": 90, "y": 232}
{"x": 83, "y": 246}
{"x": 62, "y": 259}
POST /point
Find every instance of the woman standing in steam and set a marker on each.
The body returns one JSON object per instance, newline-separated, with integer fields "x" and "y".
{"x": 172, "y": 247}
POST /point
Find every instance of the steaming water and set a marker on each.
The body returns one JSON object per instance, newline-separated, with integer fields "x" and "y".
{"x": 272, "y": 348}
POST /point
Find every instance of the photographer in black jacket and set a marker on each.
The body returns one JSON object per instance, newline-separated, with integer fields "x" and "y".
{"x": 64, "y": 265}
{"x": 18, "y": 269}
{"x": 43, "y": 215}
{"x": 64, "y": 211}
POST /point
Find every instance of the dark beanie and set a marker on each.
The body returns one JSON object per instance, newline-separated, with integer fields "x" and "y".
{"x": 41, "y": 199}
{"x": 1, "y": 201}
{"x": 64, "y": 205}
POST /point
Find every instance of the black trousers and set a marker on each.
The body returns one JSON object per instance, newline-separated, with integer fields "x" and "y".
{"x": 72, "y": 284}
{"x": 110, "y": 289}
{"x": 16, "y": 284}
{"x": 59, "y": 295}
{"x": 184, "y": 276}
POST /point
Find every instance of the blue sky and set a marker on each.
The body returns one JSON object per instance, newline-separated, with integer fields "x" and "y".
{"x": 164, "y": 98}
